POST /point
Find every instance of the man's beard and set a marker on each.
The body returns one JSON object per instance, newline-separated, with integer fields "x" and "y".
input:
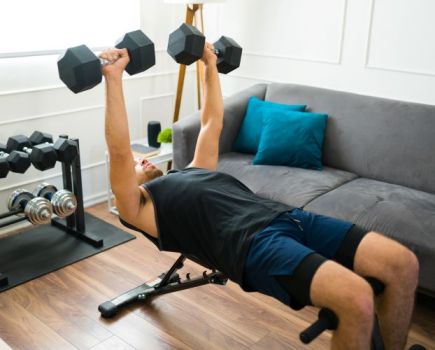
{"x": 152, "y": 174}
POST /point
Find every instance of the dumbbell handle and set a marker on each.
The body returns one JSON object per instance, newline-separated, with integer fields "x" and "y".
{"x": 10, "y": 213}
{"x": 30, "y": 150}
{"x": 105, "y": 62}
{"x": 217, "y": 52}
{"x": 14, "y": 212}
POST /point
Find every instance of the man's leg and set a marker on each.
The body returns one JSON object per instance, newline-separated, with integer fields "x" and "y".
{"x": 397, "y": 267}
{"x": 279, "y": 264}
{"x": 351, "y": 298}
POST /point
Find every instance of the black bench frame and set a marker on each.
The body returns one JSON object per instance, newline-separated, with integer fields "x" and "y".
{"x": 170, "y": 281}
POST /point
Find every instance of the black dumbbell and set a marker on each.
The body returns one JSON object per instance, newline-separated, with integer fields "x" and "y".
{"x": 186, "y": 45}
{"x": 64, "y": 202}
{"x": 80, "y": 69}
{"x": 42, "y": 157}
{"x": 17, "y": 162}
{"x": 4, "y": 163}
{"x": 66, "y": 149}
{"x": 36, "y": 209}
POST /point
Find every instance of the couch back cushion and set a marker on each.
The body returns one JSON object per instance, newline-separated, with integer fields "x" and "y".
{"x": 387, "y": 140}
{"x": 248, "y": 139}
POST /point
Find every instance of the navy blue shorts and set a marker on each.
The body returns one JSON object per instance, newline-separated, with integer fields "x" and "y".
{"x": 291, "y": 240}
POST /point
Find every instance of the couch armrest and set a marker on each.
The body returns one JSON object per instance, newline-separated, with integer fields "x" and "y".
{"x": 184, "y": 134}
{"x": 186, "y": 130}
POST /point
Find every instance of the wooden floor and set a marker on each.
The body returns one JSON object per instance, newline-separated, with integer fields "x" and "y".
{"x": 59, "y": 311}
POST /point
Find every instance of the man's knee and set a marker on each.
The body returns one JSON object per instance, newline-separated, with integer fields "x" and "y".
{"x": 357, "y": 302}
{"x": 401, "y": 263}
{"x": 404, "y": 266}
{"x": 387, "y": 260}
{"x": 347, "y": 294}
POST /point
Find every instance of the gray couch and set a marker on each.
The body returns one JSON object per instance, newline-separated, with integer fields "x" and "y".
{"x": 379, "y": 158}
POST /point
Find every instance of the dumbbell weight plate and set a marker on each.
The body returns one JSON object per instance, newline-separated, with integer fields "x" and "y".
{"x": 17, "y": 198}
{"x": 43, "y": 157}
{"x": 4, "y": 166}
{"x": 44, "y": 190}
{"x": 39, "y": 211}
{"x": 17, "y": 143}
{"x": 64, "y": 203}
{"x": 80, "y": 69}
{"x": 186, "y": 44}
{"x": 230, "y": 54}
{"x": 140, "y": 51}
{"x": 39, "y": 137}
{"x": 66, "y": 150}
{"x": 19, "y": 162}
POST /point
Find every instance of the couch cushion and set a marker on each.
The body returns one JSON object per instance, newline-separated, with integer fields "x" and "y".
{"x": 407, "y": 215}
{"x": 376, "y": 138}
{"x": 292, "y": 186}
{"x": 248, "y": 139}
{"x": 293, "y": 139}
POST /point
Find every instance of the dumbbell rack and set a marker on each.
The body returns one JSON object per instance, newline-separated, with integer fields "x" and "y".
{"x": 74, "y": 224}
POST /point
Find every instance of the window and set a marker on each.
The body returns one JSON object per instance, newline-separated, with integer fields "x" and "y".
{"x": 45, "y": 27}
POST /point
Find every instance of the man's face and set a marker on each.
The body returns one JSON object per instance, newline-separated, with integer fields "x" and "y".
{"x": 146, "y": 171}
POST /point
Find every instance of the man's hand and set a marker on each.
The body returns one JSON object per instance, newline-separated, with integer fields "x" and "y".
{"x": 209, "y": 57}
{"x": 118, "y": 59}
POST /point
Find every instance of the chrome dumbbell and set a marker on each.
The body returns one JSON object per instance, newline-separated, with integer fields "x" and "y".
{"x": 37, "y": 210}
{"x": 64, "y": 202}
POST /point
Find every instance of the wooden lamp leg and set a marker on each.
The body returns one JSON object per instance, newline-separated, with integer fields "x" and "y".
{"x": 199, "y": 63}
{"x": 182, "y": 70}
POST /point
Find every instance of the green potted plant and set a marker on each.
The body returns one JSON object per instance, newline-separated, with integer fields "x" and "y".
{"x": 165, "y": 136}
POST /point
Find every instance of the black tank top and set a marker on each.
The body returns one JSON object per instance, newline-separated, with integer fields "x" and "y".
{"x": 209, "y": 215}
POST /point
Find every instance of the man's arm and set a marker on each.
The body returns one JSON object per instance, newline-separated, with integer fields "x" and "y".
{"x": 207, "y": 147}
{"x": 122, "y": 174}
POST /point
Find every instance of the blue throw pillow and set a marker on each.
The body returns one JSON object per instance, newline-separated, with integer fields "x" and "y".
{"x": 249, "y": 134}
{"x": 293, "y": 139}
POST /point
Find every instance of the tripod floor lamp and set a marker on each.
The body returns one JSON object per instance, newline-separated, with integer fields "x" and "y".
{"x": 194, "y": 16}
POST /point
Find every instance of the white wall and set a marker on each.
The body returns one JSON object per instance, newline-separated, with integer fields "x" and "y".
{"x": 373, "y": 47}
{"x": 33, "y": 98}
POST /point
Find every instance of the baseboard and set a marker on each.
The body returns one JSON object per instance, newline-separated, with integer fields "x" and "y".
{"x": 94, "y": 199}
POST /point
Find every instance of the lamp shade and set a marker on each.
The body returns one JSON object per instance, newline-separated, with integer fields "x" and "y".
{"x": 185, "y": 2}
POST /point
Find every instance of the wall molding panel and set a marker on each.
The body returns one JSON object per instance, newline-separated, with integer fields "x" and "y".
{"x": 53, "y": 52}
{"x": 51, "y": 115}
{"x": 265, "y": 54}
{"x": 61, "y": 86}
{"x": 367, "y": 64}
{"x": 148, "y": 98}
{"x": 292, "y": 58}
{"x": 339, "y": 53}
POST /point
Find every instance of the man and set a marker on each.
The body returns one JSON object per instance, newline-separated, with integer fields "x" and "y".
{"x": 295, "y": 256}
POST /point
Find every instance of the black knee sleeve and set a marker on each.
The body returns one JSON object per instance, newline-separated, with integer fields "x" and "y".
{"x": 299, "y": 283}
{"x": 346, "y": 252}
